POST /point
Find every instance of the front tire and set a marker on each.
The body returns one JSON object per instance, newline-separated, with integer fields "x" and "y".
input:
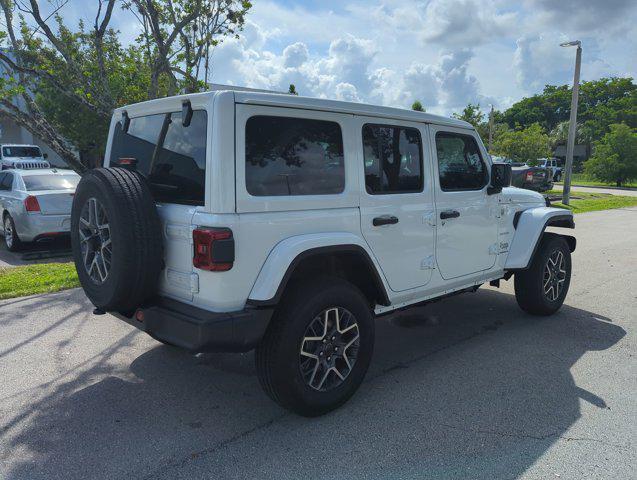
{"x": 542, "y": 288}
{"x": 317, "y": 348}
{"x": 11, "y": 235}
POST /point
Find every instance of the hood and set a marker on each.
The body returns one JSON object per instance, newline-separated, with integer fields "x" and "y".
{"x": 520, "y": 195}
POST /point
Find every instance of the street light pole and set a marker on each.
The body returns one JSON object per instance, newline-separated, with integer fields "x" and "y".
{"x": 572, "y": 126}
{"x": 491, "y": 130}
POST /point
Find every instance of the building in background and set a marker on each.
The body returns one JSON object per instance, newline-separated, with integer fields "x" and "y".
{"x": 12, "y": 133}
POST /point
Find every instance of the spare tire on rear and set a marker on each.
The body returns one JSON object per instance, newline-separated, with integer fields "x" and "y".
{"x": 117, "y": 239}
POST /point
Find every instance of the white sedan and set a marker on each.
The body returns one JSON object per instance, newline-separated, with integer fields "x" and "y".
{"x": 36, "y": 204}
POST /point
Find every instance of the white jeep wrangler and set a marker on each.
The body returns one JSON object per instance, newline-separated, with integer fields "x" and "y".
{"x": 234, "y": 220}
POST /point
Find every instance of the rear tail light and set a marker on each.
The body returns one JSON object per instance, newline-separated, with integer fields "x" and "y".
{"x": 213, "y": 249}
{"x": 529, "y": 176}
{"x": 31, "y": 204}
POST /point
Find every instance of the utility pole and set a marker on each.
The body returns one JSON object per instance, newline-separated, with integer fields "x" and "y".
{"x": 572, "y": 126}
{"x": 491, "y": 130}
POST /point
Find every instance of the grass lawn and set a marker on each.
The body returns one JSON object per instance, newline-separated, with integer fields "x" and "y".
{"x": 585, "y": 181}
{"x": 590, "y": 202}
{"x": 38, "y": 278}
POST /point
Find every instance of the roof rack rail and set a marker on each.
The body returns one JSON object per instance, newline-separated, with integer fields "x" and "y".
{"x": 218, "y": 86}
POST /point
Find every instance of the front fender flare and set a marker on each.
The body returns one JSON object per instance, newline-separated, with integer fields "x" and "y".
{"x": 529, "y": 226}
{"x": 286, "y": 254}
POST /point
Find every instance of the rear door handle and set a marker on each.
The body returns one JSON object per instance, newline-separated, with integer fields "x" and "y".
{"x": 449, "y": 214}
{"x": 384, "y": 220}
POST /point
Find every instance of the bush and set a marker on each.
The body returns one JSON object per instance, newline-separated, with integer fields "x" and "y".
{"x": 615, "y": 156}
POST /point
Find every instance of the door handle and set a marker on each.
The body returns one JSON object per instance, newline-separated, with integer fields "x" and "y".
{"x": 384, "y": 220}
{"x": 449, "y": 214}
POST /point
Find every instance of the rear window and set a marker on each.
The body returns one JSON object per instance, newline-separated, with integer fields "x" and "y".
{"x": 50, "y": 182}
{"x": 293, "y": 156}
{"x": 172, "y": 157}
{"x": 30, "y": 152}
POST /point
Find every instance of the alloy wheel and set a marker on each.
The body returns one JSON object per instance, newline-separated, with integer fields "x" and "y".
{"x": 329, "y": 349}
{"x": 554, "y": 275}
{"x": 8, "y": 232}
{"x": 95, "y": 240}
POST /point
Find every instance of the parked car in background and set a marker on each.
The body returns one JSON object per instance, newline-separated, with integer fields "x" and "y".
{"x": 551, "y": 164}
{"x": 35, "y": 204}
{"x": 539, "y": 179}
{"x": 22, "y": 157}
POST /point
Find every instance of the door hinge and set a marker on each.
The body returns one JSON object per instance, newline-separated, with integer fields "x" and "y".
{"x": 427, "y": 263}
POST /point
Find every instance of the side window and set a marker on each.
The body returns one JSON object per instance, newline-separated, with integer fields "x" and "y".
{"x": 293, "y": 156}
{"x": 171, "y": 156}
{"x": 2, "y": 175}
{"x": 7, "y": 182}
{"x": 460, "y": 164}
{"x": 393, "y": 159}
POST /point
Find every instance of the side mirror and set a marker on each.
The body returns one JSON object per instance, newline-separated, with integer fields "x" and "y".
{"x": 500, "y": 177}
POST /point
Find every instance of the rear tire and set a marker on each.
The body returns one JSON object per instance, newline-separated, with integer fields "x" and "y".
{"x": 296, "y": 359}
{"x": 11, "y": 237}
{"x": 542, "y": 288}
{"x": 117, "y": 239}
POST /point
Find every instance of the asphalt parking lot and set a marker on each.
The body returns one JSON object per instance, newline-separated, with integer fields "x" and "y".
{"x": 469, "y": 387}
{"x": 55, "y": 251}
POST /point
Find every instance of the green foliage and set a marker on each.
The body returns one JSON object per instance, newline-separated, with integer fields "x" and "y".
{"x": 71, "y": 77}
{"x": 292, "y": 89}
{"x": 524, "y": 145}
{"x": 417, "y": 106}
{"x": 615, "y": 156}
{"x": 473, "y": 115}
{"x": 601, "y": 103}
{"x": 40, "y": 278}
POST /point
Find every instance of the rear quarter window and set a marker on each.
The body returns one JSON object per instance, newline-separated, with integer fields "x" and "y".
{"x": 172, "y": 157}
{"x": 293, "y": 156}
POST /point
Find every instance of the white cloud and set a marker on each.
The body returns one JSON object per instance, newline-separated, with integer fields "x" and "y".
{"x": 445, "y": 53}
{"x": 465, "y": 22}
{"x": 295, "y": 55}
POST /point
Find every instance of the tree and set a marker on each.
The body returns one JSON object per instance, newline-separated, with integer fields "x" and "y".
{"x": 417, "y": 106}
{"x": 473, "y": 115}
{"x": 178, "y": 36}
{"x": 62, "y": 83}
{"x": 292, "y": 90}
{"x": 601, "y": 103}
{"x": 615, "y": 156}
{"x": 526, "y": 145}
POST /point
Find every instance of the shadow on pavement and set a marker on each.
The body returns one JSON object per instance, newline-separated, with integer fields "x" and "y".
{"x": 57, "y": 250}
{"x": 469, "y": 387}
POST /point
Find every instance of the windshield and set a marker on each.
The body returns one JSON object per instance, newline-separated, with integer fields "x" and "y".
{"x": 50, "y": 182}
{"x": 32, "y": 152}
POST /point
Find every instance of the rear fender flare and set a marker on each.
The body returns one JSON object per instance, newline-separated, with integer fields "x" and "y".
{"x": 284, "y": 257}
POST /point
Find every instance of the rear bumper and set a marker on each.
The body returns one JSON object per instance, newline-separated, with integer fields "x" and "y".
{"x": 32, "y": 227}
{"x": 198, "y": 330}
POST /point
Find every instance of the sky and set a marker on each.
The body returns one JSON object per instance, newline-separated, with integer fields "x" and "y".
{"x": 445, "y": 53}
